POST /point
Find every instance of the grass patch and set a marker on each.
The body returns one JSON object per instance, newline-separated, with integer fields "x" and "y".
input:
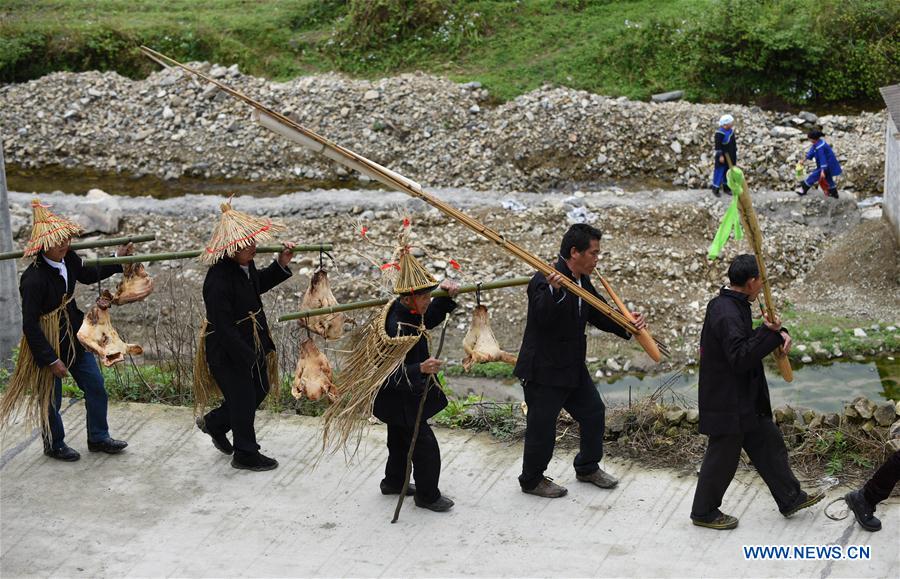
{"x": 494, "y": 370}
{"x": 786, "y": 52}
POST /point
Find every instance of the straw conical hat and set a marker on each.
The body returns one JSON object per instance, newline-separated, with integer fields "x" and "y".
{"x": 49, "y": 229}
{"x": 235, "y": 231}
{"x": 412, "y": 277}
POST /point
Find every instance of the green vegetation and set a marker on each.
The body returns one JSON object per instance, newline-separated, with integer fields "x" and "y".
{"x": 496, "y": 370}
{"x": 767, "y": 51}
{"x": 840, "y": 451}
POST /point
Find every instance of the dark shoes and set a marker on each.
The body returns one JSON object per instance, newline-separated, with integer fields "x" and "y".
{"x": 220, "y": 441}
{"x": 65, "y": 453}
{"x": 109, "y": 446}
{"x": 715, "y": 191}
{"x": 547, "y": 489}
{"x": 439, "y": 506}
{"x": 387, "y": 489}
{"x": 802, "y": 189}
{"x": 602, "y": 479}
{"x": 864, "y": 513}
{"x": 833, "y": 192}
{"x": 257, "y": 462}
{"x": 721, "y": 522}
{"x": 803, "y": 501}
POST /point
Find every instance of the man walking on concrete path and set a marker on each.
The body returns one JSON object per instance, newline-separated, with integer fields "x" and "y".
{"x": 238, "y": 352}
{"x": 735, "y": 411}
{"x": 552, "y": 366}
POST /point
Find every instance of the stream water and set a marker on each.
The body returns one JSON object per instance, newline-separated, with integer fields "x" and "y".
{"x": 824, "y": 388}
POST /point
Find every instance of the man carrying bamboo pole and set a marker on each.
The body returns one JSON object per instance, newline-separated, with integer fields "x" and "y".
{"x": 236, "y": 353}
{"x": 49, "y": 351}
{"x": 735, "y": 411}
{"x": 552, "y": 368}
{"x": 398, "y": 400}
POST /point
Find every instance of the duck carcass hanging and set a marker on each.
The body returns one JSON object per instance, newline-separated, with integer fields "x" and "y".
{"x": 480, "y": 344}
{"x": 312, "y": 378}
{"x": 318, "y": 295}
{"x": 99, "y": 336}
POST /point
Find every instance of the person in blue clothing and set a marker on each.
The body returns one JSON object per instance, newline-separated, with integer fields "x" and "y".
{"x": 827, "y": 166}
{"x": 725, "y": 146}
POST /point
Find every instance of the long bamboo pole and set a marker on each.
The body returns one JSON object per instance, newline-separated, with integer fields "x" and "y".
{"x": 174, "y": 255}
{"x": 643, "y": 337}
{"x": 286, "y": 127}
{"x": 108, "y": 242}
{"x": 754, "y": 238}
{"x": 491, "y": 285}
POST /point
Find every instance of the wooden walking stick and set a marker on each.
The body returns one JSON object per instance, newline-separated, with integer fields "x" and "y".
{"x": 754, "y": 238}
{"x": 643, "y": 336}
{"x": 432, "y": 378}
{"x": 294, "y": 131}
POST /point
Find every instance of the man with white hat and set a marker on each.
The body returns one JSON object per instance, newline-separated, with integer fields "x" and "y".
{"x": 725, "y": 149}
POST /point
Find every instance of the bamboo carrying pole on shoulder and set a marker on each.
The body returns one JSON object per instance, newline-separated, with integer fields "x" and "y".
{"x": 491, "y": 285}
{"x": 108, "y": 242}
{"x": 174, "y": 255}
{"x": 754, "y": 238}
{"x": 284, "y": 126}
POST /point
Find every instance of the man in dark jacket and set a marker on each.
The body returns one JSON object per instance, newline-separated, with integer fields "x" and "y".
{"x": 237, "y": 343}
{"x": 552, "y": 368}
{"x": 735, "y": 411}
{"x": 48, "y": 281}
{"x": 397, "y": 403}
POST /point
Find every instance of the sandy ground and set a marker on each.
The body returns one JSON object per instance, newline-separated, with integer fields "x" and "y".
{"x": 172, "y": 506}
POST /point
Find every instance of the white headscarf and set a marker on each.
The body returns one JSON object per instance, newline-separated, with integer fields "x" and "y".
{"x": 726, "y": 120}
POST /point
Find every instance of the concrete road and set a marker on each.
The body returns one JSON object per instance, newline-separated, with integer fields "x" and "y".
{"x": 171, "y": 505}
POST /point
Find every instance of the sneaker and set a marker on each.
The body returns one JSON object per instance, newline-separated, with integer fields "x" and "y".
{"x": 441, "y": 505}
{"x": 803, "y": 501}
{"x": 864, "y": 513}
{"x": 220, "y": 441}
{"x": 547, "y": 489}
{"x": 109, "y": 446}
{"x": 387, "y": 489}
{"x": 721, "y": 522}
{"x": 802, "y": 189}
{"x": 833, "y": 192}
{"x": 602, "y": 479}
{"x": 257, "y": 463}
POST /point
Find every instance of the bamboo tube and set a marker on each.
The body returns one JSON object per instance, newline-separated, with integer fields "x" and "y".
{"x": 754, "y": 238}
{"x": 294, "y": 131}
{"x": 92, "y": 244}
{"x": 465, "y": 289}
{"x": 171, "y": 256}
{"x": 643, "y": 337}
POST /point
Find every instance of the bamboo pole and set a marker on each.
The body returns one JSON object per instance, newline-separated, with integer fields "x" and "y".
{"x": 174, "y": 255}
{"x": 294, "y": 131}
{"x": 643, "y": 337}
{"x": 754, "y": 238}
{"x": 465, "y": 289}
{"x": 108, "y": 242}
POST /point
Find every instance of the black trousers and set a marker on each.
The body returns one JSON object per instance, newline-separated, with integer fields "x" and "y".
{"x": 766, "y": 449}
{"x": 544, "y": 404}
{"x": 880, "y": 486}
{"x": 243, "y": 390}
{"x": 426, "y": 460}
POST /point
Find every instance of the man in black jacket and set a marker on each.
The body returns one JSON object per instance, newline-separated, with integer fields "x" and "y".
{"x": 48, "y": 281}
{"x": 237, "y": 343}
{"x": 735, "y": 411}
{"x": 552, "y": 368}
{"x": 397, "y": 402}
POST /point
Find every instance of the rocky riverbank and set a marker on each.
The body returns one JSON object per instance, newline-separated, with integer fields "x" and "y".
{"x": 435, "y": 131}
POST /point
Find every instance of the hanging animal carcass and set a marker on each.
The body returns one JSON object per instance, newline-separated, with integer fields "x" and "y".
{"x": 99, "y": 336}
{"x": 136, "y": 284}
{"x": 318, "y": 295}
{"x": 312, "y": 378}
{"x": 480, "y": 344}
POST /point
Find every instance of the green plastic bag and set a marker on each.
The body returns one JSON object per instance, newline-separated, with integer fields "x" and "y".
{"x": 731, "y": 221}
